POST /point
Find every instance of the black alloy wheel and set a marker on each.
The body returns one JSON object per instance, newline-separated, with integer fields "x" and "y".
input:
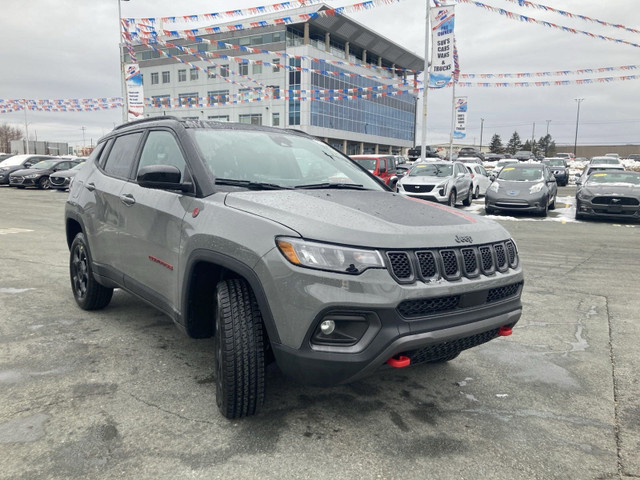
{"x": 88, "y": 293}
{"x": 44, "y": 184}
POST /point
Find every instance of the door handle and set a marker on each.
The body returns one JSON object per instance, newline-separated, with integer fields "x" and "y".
{"x": 127, "y": 199}
{"x": 90, "y": 186}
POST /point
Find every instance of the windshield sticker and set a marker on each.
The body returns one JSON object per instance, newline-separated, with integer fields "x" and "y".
{"x": 599, "y": 174}
{"x": 509, "y": 168}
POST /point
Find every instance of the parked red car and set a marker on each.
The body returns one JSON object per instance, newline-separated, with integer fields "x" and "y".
{"x": 383, "y": 166}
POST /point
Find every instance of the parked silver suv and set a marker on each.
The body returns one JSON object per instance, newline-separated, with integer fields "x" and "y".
{"x": 284, "y": 249}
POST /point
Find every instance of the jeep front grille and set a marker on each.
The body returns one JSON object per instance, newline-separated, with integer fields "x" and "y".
{"x": 452, "y": 263}
{"x": 423, "y": 307}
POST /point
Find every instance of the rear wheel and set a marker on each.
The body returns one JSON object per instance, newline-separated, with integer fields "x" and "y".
{"x": 89, "y": 294}
{"x": 239, "y": 349}
{"x": 476, "y": 192}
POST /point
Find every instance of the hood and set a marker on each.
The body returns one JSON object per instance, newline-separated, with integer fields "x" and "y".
{"x": 424, "y": 180}
{"x": 367, "y": 218}
{"x": 31, "y": 171}
{"x": 611, "y": 190}
{"x": 64, "y": 174}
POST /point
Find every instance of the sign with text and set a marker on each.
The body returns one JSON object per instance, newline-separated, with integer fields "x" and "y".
{"x": 441, "y": 70}
{"x": 460, "y": 128}
{"x": 135, "y": 94}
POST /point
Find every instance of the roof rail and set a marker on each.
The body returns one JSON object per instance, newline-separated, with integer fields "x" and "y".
{"x": 149, "y": 119}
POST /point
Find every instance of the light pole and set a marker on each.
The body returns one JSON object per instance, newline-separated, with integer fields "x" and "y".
{"x": 575, "y": 143}
{"x": 481, "y": 130}
{"x": 546, "y": 138}
{"x": 122, "y": 86}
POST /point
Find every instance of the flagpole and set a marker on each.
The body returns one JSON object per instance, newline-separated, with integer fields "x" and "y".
{"x": 453, "y": 116}
{"x": 423, "y": 141}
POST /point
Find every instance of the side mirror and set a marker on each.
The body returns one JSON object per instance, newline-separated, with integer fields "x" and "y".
{"x": 553, "y": 179}
{"x": 492, "y": 177}
{"x": 162, "y": 177}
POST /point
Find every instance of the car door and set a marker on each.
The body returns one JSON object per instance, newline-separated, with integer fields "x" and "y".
{"x": 552, "y": 185}
{"x": 483, "y": 179}
{"x": 462, "y": 180}
{"x": 102, "y": 188}
{"x": 152, "y": 225}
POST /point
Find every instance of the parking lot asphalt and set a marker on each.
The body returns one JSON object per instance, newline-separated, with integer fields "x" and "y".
{"x": 121, "y": 393}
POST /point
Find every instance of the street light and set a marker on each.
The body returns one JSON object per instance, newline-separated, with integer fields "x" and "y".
{"x": 575, "y": 143}
{"x": 122, "y": 87}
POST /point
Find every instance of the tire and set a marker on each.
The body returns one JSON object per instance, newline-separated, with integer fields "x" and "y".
{"x": 89, "y": 294}
{"x": 451, "y": 201}
{"x": 476, "y": 192}
{"x": 448, "y": 358}
{"x": 544, "y": 212}
{"x": 467, "y": 201}
{"x": 44, "y": 184}
{"x": 240, "y": 350}
{"x": 553, "y": 204}
{"x": 489, "y": 210}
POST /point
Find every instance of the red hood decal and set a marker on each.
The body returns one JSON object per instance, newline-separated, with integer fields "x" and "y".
{"x": 469, "y": 218}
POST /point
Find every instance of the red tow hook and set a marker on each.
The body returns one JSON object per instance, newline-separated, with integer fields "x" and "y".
{"x": 504, "y": 331}
{"x": 399, "y": 362}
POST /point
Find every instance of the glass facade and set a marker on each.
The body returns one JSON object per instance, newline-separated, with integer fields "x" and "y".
{"x": 389, "y": 116}
{"x": 294, "y": 84}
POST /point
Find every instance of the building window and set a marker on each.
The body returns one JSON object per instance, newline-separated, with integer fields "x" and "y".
{"x": 193, "y": 74}
{"x": 275, "y": 120}
{"x": 224, "y": 70}
{"x": 243, "y": 69}
{"x": 245, "y": 94}
{"x": 256, "y": 68}
{"x": 182, "y": 75}
{"x": 251, "y": 118}
{"x": 211, "y": 72}
{"x": 188, "y": 99}
{"x": 219, "y": 118}
{"x": 161, "y": 101}
{"x": 276, "y": 64}
{"x": 166, "y": 77}
{"x": 154, "y": 78}
{"x": 217, "y": 96}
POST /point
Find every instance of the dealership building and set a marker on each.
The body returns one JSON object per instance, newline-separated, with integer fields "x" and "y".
{"x": 285, "y": 81}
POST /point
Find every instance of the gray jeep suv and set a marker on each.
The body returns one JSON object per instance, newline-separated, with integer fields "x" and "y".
{"x": 285, "y": 250}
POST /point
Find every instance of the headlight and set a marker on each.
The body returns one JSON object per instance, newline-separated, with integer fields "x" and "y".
{"x": 537, "y": 188}
{"x": 583, "y": 196}
{"x": 494, "y": 187}
{"x": 4, "y": 169}
{"x": 323, "y": 256}
{"x": 33, "y": 175}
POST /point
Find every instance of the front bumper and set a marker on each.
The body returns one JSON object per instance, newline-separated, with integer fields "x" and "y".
{"x": 607, "y": 210}
{"x": 22, "y": 181}
{"x": 432, "y": 193}
{"x": 59, "y": 183}
{"x": 388, "y": 318}
{"x": 505, "y": 203}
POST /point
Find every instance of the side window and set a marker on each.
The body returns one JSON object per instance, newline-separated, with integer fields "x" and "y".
{"x": 161, "y": 148}
{"x": 122, "y": 155}
{"x": 382, "y": 165}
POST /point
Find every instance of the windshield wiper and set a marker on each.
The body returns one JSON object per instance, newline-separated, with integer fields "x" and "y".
{"x": 318, "y": 186}
{"x": 250, "y": 184}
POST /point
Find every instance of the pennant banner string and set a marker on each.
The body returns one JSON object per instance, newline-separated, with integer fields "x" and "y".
{"x": 525, "y": 3}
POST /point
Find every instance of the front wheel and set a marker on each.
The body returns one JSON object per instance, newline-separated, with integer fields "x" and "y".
{"x": 44, "y": 184}
{"x": 553, "y": 204}
{"x": 451, "y": 201}
{"x": 467, "y": 201}
{"x": 240, "y": 350}
{"x": 89, "y": 294}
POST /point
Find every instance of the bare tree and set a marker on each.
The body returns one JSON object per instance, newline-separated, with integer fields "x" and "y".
{"x": 8, "y": 133}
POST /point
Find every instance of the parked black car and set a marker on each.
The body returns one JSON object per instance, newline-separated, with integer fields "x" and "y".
{"x": 38, "y": 175}
{"x": 524, "y": 155}
{"x": 62, "y": 179}
{"x": 415, "y": 153}
{"x": 18, "y": 162}
{"x": 559, "y": 168}
{"x": 470, "y": 152}
{"x": 609, "y": 193}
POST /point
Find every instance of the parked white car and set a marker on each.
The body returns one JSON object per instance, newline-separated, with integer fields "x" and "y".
{"x": 480, "y": 180}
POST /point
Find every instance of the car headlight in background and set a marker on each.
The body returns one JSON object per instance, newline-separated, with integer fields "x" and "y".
{"x": 324, "y": 256}
{"x": 494, "y": 187}
{"x": 536, "y": 188}
{"x": 33, "y": 175}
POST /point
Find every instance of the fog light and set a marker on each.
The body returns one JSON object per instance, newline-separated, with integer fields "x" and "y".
{"x": 327, "y": 327}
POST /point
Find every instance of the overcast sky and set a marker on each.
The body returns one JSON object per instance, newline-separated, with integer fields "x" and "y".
{"x": 68, "y": 49}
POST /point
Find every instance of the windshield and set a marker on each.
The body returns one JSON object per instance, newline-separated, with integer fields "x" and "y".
{"x": 78, "y": 166}
{"x": 605, "y": 161}
{"x": 368, "y": 163}
{"x": 277, "y": 158}
{"x": 523, "y": 152}
{"x": 431, "y": 170}
{"x": 554, "y": 162}
{"x": 609, "y": 177}
{"x": 531, "y": 174}
{"x": 45, "y": 164}
{"x": 12, "y": 161}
